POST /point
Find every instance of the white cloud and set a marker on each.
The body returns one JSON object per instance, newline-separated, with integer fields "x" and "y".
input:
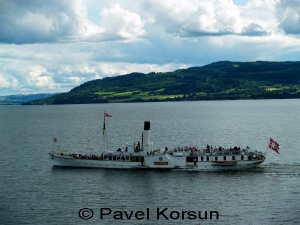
{"x": 112, "y": 69}
{"x": 4, "y": 83}
{"x": 202, "y": 18}
{"x": 38, "y": 76}
{"x": 118, "y": 23}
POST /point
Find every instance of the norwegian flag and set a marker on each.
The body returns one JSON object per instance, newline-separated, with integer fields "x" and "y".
{"x": 274, "y": 145}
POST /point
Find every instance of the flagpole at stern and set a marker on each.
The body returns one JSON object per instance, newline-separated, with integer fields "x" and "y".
{"x": 267, "y": 147}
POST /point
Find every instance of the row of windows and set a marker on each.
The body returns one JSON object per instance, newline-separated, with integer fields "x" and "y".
{"x": 224, "y": 158}
{"x": 124, "y": 158}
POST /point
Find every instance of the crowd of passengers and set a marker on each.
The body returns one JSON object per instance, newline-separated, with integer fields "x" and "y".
{"x": 211, "y": 149}
{"x": 87, "y": 156}
{"x": 192, "y": 150}
{"x": 96, "y": 157}
{"x": 220, "y": 148}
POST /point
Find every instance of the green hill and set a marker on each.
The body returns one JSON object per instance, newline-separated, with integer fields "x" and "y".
{"x": 216, "y": 81}
{"x": 22, "y": 98}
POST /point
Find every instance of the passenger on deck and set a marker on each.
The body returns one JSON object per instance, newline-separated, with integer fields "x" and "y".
{"x": 126, "y": 149}
{"x": 166, "y": 149}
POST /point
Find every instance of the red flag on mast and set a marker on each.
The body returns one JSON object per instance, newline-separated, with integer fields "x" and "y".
{"x": 274, "y": 146}
{"x": 107, "y": 115}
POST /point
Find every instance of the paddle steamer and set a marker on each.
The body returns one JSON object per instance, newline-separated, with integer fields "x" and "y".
{"x": 142, "y": 155}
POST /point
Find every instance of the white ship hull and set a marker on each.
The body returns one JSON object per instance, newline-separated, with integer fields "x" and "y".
{"x": 160, "y": 161}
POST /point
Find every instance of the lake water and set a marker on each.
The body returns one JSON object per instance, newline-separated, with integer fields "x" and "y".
{"x": 32, "y": 191}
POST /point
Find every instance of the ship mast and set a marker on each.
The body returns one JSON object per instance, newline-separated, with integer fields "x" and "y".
{"x": 104, "y": 130}
{"x": 104, "y": 133}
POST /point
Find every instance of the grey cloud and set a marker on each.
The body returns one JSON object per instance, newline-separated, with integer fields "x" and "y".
{"x": 288, "y": 14}
{"x": 291, "y": 24}
{"x": 186, "y": 33}
{"x": 64, "y": 21}
{"x": 254, "y": 29}
{"x": 36, "y": 21}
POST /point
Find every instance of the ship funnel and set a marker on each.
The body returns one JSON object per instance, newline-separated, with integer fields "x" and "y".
{"x": 147, "y": 125}
{"x": 146, "y": 136}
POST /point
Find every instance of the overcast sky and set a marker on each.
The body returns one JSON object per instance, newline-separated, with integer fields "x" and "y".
{"x": 49, "y": 46}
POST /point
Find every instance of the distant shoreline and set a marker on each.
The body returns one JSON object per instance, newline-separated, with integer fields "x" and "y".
{"x": 210, "y": 100}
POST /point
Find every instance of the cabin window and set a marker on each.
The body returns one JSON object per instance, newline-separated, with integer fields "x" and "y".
{"x": 135, "y": 159}
{"x": 233, "y": 157}
{"x": 201, "y": 158}
{"x": 224, "y": 158}
{"x": 242, "y": 157}
{"x": 207, "y": 158}
{"x": 132, "y": 159}
{"x": 114, "y": 157}
{"x": 189, "y": 159}
{"x": 127, "y": 158}
{"x": 110, "y": 157}
{"x": 216, "y": 158}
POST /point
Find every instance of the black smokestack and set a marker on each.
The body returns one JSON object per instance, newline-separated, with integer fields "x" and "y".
{"x": 147, "y": 125}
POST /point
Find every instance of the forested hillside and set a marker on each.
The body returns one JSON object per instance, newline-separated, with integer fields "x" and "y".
{"x": 216, "y": 81}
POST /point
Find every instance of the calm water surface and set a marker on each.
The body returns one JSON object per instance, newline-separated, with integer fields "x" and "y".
{"x": 32, "y": 191}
